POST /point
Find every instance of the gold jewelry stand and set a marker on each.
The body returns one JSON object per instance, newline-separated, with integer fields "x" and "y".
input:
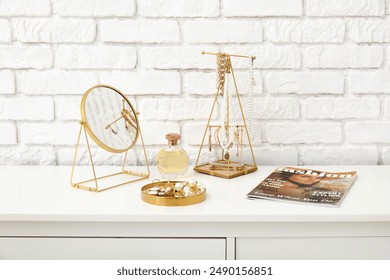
{"x": 224, "y": 167}
{"x": 130, "y": 118}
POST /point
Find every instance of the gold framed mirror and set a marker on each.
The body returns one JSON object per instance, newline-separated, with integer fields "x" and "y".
{"x": 111, "y": 121}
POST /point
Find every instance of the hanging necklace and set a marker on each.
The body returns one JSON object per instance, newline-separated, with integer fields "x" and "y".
{"x": 222, "y": 68}
{"x": 223, "y": 77}
{"x": 250, "y": 99}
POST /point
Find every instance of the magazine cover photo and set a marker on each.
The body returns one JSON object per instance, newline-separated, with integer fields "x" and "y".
{"x": 305, "y": 185}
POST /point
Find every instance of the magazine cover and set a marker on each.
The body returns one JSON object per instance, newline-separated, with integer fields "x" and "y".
{"x": 305, "y": 185}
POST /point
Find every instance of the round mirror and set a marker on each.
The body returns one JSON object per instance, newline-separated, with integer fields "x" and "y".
{"x": 109, "y": 118}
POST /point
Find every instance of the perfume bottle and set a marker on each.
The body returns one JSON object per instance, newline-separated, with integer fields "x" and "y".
{"x": 172, "y": 161}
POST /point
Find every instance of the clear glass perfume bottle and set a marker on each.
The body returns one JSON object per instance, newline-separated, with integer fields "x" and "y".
{"x": 172, "y": 161}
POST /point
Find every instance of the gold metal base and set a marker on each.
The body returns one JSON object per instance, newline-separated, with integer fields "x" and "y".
{"x": 170, "y": 201}
{"x": 95, "y": 180}
{"x": 81, "y": 185}
{"x": 227, "y": 173}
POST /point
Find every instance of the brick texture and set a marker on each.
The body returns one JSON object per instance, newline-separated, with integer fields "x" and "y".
{"x": 305, "y": 82}
{"x": 140, "y": 31}
{"x": 345, "y": 7}
{"x": 305, "y": 31}
{"x": 344, "y": 57}
{"x": 56, "y": 82}
{"x": 5, "y": 34}
{"x": 298, "y": 133}
{"x": 7, "y": 134}
{"x": 222, "y": 32}
{"x": 359, "y": 155}
{"x": 369, "y": 132}
{"x": 369, "y": 30}
{"x": 95, "y": 8}
{"x": 259, "y": 8}
{"x": 143, "y": 83}
{"x": 7, "y": 81}
{"x": 369, "y": 82}
{"x": 22, "y": 57}
{"x": 179, "y": 8}
{"x": 25, "y": 108}
{"x": 25, "y": 8}
{"x": 55, "y": 31}
{"x": 322, "y": 76}
{"x": 50, "y": 133}
{"x": 96, "y": 57}
{"x": 341, "y": 108}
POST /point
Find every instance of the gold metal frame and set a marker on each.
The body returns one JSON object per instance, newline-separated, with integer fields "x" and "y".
{"x": 230, "y": 172}
{"x": 88, "y": 132}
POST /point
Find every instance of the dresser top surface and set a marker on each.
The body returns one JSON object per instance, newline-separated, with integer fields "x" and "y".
{"x": 43, "y": 193}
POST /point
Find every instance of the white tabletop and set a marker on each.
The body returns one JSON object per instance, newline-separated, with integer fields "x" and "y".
{"x": 36, "y": 193}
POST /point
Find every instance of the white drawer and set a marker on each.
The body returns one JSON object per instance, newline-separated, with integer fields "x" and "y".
{"x": 112, "y": 248}
{"x": 313, "y": 248}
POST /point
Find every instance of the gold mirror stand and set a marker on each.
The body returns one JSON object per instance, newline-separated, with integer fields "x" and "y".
{"x": 95, "y": 179}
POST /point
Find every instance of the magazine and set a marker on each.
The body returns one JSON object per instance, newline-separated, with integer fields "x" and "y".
{"x": 305, "y": 186}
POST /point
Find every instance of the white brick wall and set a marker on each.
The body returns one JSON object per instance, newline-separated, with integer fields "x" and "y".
{"x": 276, "y": 156}
{"x": 154, "y": 132}
{"x": 369, "y": 82}
{"x": 341, "y": 108}
{"x": 345, "y": 7}
{"x": 140, "y": 31}
{"x": 335, "y": 155}
{"x": 53, "y": 133}
{"x": 25, "y": 8}
{"x": 27, "y": 156}
{"x": 26, "y": 108}
{"x": 96, "y": 57}
{"x": 7, "y": 134}
{"x": 369, "y": 132}
{"x": 184, "y": 57}
{"x": 143, "y": 82}
{"x": 322, "y": 72}
{"x": 275, "y": 108}
{"x": 55, "y": 82}
{"x": 303, "y": 133}
{"x": 270, "y": 57}
{"x": 67, "y": 108}
{"x": 369, "y": 30}
{"x": 387, "y": 107}
{"x": 94, "y": 8}
{"x": 262, "y": 8}
{"x": 5, "y": 34}
{"x": 24, "y": 57}
{"x": 305, "y": 31}
{"x": 344, "y": 57}
{"x": 305, "y": 82}
{"x": 178, "y": 8}
{"x": 229, "y": 31}
{"x": 55, "y": 31}
{"x": 7, "y": 82}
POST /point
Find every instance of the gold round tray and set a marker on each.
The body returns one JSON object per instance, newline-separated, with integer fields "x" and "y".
{"x": 170, "y": 200}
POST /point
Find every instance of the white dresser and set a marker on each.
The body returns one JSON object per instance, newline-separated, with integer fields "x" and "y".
{"x": 42, "y": 217}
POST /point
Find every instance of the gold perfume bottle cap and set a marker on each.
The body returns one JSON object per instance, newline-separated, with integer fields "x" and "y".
{"x": 172, "y": 138}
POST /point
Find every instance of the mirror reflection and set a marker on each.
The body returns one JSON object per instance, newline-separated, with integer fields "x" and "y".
{"x": 111, "y": 119}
